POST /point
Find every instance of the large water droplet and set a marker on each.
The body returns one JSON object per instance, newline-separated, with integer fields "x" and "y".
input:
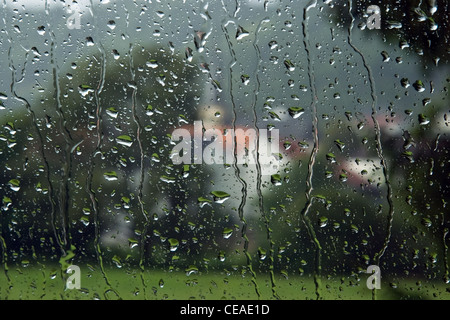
{"x": 275, "y": 179}
{"x": 405, "y": 82}
{"x": 393, "y": 24}
{"x": 296, "y": 112}
{"x": 84, "y": 90}
{"x": 117, "y": 261}
{"x": 203, "y": 201}
{"x": 245, "y": 79}
{"x": 289, "y": 65}
{"x": 221, "y": 256}
{"x": 323, "y": 221}
{"x": 331, "y": 157}
{"x": 112, "y": 112}
{"x": 124, "y": 140}
{"x": 220, "y": 196}
{"x": 418, "y": 85}
{"x": 189, "y": 54}
{"x": 385, "y": 56}
{"x": 191, "y": 270}
{"x": 262, "y": 253}
{"x": 167, "y": 179}
{"x": 339, "y": 144}
{"x": 152, "y": 64}
{"x": 273, "y": 44}
{"x": 423, "y": 119}
{"x": 41, "y": 30}
{"x": 241, "y": 33}
{"x": 89, "y": 41}
{"x": 111, "y": 24}
{"x": 426, "y": 222}
{"x": 14, "y": 184}
{"x": 132, "y": 243}
{"x": 174, "y": 243}
{"x": 227, "y": 232}
{"x": 110, "y": 176}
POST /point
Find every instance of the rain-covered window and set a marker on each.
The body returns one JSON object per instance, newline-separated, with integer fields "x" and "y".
{"x": 247, "y": 149}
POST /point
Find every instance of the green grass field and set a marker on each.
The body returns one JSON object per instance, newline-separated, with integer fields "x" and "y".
{"x": 49, "y": 284}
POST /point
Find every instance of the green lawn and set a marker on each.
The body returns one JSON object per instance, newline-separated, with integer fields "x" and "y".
{"x": 32, "y": 283}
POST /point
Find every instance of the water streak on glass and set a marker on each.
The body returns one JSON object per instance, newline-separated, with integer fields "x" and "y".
{"x": 98, "y": 153}
{"x": 379, "y": 146}
{"x": 243, "y": 183}
{"x": 88, "y": 116}
{"x": 309, "y": 186}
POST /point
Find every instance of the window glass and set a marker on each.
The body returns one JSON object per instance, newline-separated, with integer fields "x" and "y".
{"x": 244, "y": 149}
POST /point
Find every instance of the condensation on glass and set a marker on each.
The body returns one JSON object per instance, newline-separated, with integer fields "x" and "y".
{"x": 224, "y": 149}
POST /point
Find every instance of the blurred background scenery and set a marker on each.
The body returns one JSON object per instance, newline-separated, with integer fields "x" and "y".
{"x": 91, "y": 92}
